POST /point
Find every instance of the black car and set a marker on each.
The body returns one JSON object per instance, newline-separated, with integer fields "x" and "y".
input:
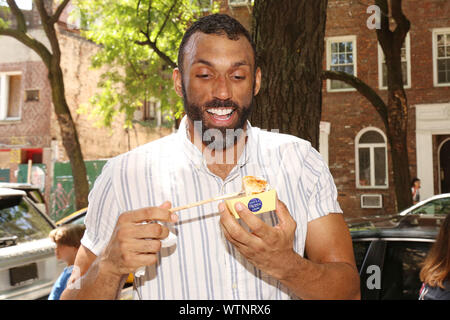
{"x": 389, "y": 253}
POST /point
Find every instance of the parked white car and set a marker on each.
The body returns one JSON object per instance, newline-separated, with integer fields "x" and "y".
{"x": 438, "y": 204}
{"x": 33, "y": 192}
{"x": 28, "y": 266}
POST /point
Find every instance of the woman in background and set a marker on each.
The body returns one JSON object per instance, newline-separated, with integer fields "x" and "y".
{"x": 415, "y": 186}
{"x": 435, "y": 273}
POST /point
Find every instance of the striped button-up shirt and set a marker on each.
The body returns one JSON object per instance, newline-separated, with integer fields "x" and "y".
{"x": 203, "y": 264}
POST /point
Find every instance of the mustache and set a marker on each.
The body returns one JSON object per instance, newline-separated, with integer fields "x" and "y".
{"x": 217, "y": 103}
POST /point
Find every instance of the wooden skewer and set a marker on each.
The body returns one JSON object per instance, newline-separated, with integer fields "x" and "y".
{"x": 199, "y": 203}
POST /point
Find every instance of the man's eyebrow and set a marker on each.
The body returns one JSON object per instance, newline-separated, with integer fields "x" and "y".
{"x": 235, "y": 65}
{"x": 240, "y": 63}
{"x": 203, "y": 62}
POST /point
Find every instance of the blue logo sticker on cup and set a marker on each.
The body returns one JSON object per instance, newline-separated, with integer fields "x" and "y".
{"x": 254, "y": 205}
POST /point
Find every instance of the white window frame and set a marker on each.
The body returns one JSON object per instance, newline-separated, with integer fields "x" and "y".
{"x": 435, "y": 73}
{"x": 4, "y": 96}
{"x": 371, "y": 146}
{"x": 408, "y": 64}
{"x": 329, "y": 41}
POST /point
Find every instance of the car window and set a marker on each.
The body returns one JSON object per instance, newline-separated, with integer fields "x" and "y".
{"x": 400, "y": 276}
{"x": 436, "y": 206}
{"x": 360, "y": 250}
{"x": 79, "y": 220}
{"x": 19, "y": 218}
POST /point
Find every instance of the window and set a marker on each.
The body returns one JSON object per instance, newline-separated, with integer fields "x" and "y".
{"x": 406, "y": 65}
{"x": 400, "y": 277}
{"x": 31, "y": 95}
{"x": 371, "y": 159}
{"x": 21, "y": 219}
{"x": 441, "y": 57}
{"x": 437, "y": 206}
{"x": 341, "y": 56}
{"x": 10, "y": 92}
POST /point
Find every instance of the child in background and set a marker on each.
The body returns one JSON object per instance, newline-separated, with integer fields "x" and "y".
{"x": 67, "y": 239}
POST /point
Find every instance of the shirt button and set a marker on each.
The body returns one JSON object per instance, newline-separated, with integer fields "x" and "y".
{"x": 234, "y": 285}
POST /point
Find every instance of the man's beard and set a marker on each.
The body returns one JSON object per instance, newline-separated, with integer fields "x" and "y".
{"x": 217, "y": 138}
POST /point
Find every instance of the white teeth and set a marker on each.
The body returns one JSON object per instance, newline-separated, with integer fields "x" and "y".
{"x": 220, "y": 112}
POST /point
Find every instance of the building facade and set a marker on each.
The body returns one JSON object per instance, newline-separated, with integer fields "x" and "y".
{"x": 352, "y": 136}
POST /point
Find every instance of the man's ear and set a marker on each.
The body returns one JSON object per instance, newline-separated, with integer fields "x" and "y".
{"x": 177, "y": 82}
{"x": 257, "y": 81}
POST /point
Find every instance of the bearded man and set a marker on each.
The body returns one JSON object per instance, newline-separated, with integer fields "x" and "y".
{"x": 302, "y": 249}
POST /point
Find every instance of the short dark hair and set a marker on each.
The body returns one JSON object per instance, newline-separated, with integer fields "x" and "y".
{"x": 218, "y": 24}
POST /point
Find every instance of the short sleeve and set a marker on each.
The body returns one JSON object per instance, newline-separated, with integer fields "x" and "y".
{"x": 102, "y": 213}
{"x": 323, "y": 198}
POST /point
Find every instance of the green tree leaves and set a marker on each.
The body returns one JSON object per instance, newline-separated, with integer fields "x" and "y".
{"x": 139, "y": 42}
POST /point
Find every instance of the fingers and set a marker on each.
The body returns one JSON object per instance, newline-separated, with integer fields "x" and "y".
{"x": 231, "y": 226}
{"x": 256, "y": 225}
{"x": 149, "y": 230}
{"x": 144, "y": 246}
{"x": 160, "y": 213}
{"x": 284, "y": 217}
{"x": 136, "y": 239}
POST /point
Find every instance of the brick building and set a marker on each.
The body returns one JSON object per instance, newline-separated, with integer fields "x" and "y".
{"x": 28, "y": 126}
{"x": 358, "y": 152}
{"x": 352, "y": 135}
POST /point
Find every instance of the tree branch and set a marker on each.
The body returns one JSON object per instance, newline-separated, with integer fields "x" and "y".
{"x": 152, "y": 45}
{"x": 384, "y": 34}
{"x": 59, "y": 11}
{"x": 166, "y": 19}
{"x": 49, "y": 29}
{"x": 20, "y": 18}
{"x": 363, "y": 89}
{"x": 402, "y": 22}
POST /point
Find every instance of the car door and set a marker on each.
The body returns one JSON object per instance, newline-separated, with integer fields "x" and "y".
{"x": 370, "y": 266}
{"x": 402, "y": 263}
{"x": 391, "y": 267}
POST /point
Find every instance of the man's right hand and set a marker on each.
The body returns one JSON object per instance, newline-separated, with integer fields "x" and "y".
{"x": 136, "y": 240}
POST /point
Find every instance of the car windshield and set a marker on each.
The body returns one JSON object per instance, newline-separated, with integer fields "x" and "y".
{"x": 21, "y": 219}
{"x": 437, "y": 206}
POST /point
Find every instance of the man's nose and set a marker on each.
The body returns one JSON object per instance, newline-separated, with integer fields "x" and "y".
{"x": 222, "y": 88}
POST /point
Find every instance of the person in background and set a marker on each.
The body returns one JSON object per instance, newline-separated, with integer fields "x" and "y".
{"x": 67, "y": 239}
{"x": 435, "y": 273}
{"x": 415, "y": 186}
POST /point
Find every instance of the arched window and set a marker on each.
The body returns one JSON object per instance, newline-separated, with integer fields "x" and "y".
{"x": 371, "y": 159}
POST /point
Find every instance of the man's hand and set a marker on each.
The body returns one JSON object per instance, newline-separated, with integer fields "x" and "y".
{"x": 268, "y": 248}
{"x": 136, "y": 240}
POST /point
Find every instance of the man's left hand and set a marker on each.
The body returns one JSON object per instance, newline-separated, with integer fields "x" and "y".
{"x": 268, "y": 248}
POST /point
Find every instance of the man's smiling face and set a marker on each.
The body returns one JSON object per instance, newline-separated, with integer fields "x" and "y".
{"x": 218, "y": 81}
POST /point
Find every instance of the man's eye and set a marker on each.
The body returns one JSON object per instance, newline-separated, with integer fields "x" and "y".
{"x": 239, "y": 77}
{"x": 203, "y": 76}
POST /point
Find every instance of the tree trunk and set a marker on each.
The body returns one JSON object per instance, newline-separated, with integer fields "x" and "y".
{"x": 69, "y": 136}
{"x": 52, "y": 60}
{"x": 397, "y": 107}
{"x": 289, "y": 37}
